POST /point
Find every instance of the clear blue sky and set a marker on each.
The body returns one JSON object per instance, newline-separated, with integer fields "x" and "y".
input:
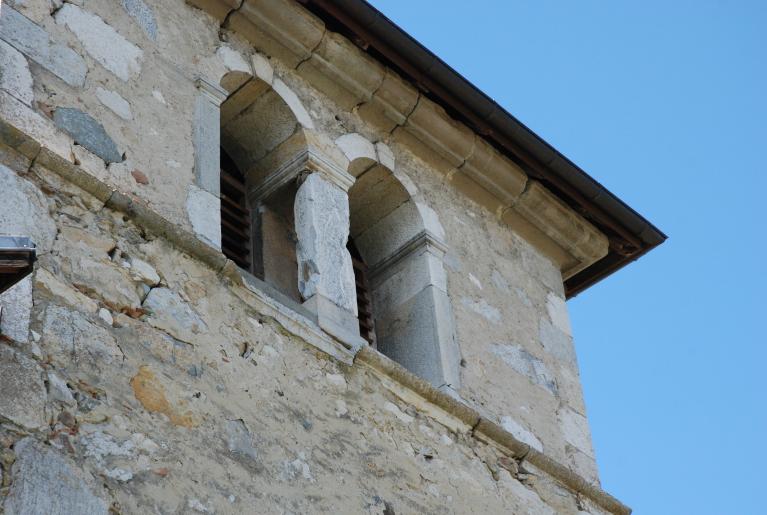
{"x": 665, "y": 103}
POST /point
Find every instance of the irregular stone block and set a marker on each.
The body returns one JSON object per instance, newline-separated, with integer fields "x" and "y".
{"x": 239, "y": 441}
{"x": 116, "y": 103}
{"x": 558, "y": 344}
{"x": 24, "y": 210}
{"x": 87, "y": 132}
{"x": 143, "y": 15}
{"x": 526, "y": 364}
{"x": 16, "y": 305}
{"x": 170, "y": 313}
{"x": 44, "y": 481}
{"x": 22, "y": 392}
{"x": 69, "y": 338}
{"x": 322, "y": 228}
{"x": 102, "y": 42}
{"x": 34, "y": 42}
{"x": 29, "y": 130}
{"x": 216, "y": 8}
{"x": 14, "y": 74}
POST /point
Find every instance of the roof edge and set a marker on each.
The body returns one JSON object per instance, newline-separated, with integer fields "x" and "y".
{"x": 630, "y": 235}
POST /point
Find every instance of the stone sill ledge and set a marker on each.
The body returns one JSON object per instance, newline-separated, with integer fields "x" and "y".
{"x": 22, "y": 152}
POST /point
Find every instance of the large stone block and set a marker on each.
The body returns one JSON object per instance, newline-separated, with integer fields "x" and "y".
{"x": 169, "y": 312}
{"x": 204, "y": 211}
{"x": 24, "y": 210}
{"x": 419, "y": 335}
{"x": 521, "y": 361}
{"x": 15, "y": 77}
{"x": 102, "y": 42}
{"x": 88, "y": 133}
{"x": 22, "y": 392}
{"x": 322, "y": 229}
{"x": 73, "y": 340}
{"x": 143, "y": 15}
{"x": 34, "y": 42}
{"x": 45, "y": 481}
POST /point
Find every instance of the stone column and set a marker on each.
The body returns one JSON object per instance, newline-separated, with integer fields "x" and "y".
{"x": 203, "y": 201}
{"x": 325, "y": 273}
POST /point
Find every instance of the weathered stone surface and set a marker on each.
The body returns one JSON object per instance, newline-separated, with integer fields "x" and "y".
{"x": 171, "y": 313}
{"x": 116, "y": 103}
{"x": 102, "y": 42}
{"x": 143, "y": 15}
{"x": 44, "y": 481}
{"x": 87, "y": 132}
{"x": 24, "y": 210}
{"x": 322, "y": 228}
{"x": 528, "y": 365}
{"x": 34, "y": 42}
{"x": 14, "y": 74}
{"x": 16, "y": 306}
{"x": 22, "y": 400}
{"x": 204, "y": 211}
{"x": 70, "y": 338}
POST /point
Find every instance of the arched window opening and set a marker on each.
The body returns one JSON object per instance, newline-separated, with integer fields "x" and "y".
{"x": 235, "y": 215}
{"x": 259, "y": 134}
{"x": 364, "y": 295}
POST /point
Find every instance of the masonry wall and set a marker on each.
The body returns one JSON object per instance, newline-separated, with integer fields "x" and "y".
{"x": 146, "y": 381}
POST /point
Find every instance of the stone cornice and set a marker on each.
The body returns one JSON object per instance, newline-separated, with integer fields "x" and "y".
{"x": 386, "y": 102}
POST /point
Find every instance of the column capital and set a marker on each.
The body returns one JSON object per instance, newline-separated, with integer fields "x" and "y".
{"x": 308, "y": 160}
{"x": 213, "y": 92}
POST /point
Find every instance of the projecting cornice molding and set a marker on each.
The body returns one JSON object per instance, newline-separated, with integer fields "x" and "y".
{"x": 355, "y": 81}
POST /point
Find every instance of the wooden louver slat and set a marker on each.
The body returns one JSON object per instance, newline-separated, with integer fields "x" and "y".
{"x": 364, "y": 299}
{"x": 235, "y": 215}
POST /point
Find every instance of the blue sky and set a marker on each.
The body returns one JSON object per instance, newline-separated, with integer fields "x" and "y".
{"x": 665, "y": 103}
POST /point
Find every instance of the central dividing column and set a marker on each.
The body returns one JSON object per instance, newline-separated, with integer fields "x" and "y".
{"x": 325, "y": 273}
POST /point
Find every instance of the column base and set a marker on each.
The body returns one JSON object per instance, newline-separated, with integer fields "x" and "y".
{"x": 336, "y": 321}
